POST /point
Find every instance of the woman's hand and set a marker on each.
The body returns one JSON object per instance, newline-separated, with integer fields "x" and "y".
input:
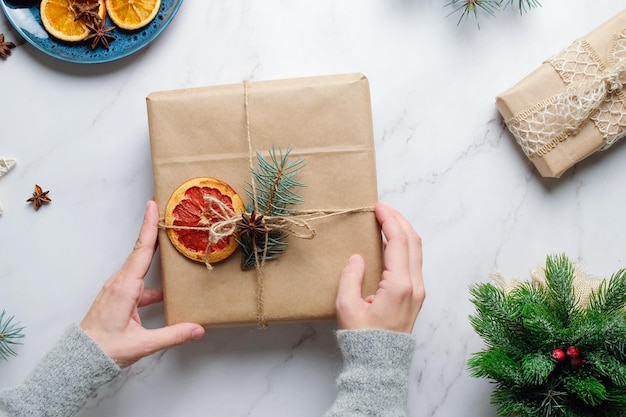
{"x": 113, "y": 320}
{"x": 400, "y": 294}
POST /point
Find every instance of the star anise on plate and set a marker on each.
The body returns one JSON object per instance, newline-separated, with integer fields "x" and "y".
{"x": 100, "y": 34}
{"x": 87, "y": 10}
{"x": 39, "y": 198}
{"x": 5, "y": 47}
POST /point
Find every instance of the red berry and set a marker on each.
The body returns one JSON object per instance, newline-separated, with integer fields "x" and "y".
{"x": 576, "y": 363}
{"x": 573, "y": 352}
{"x": 558, "y": 354}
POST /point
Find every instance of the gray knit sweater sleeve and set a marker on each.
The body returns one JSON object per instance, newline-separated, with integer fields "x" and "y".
{"x": 375, "y": 376}
{"x": 63, "y": 381}
{"x": 373, "y": 382}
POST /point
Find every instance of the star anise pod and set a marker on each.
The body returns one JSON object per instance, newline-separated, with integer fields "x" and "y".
{"x": 5, "y": 47}
{"x": 100, "y": 34}
{"x": 87, "y": 10}
{"x": 39, "y": 198}
{"x": 257, "y": 241}
{"x": 252, "y": 227}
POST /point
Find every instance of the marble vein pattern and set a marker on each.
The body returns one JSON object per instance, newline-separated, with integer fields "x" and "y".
{"x": 444, "y": 159}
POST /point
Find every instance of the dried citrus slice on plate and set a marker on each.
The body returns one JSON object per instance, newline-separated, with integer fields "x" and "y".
{"x": 132, "y": 14}
{"x": 59, "y": 18}
{"x": 193, "y": 204}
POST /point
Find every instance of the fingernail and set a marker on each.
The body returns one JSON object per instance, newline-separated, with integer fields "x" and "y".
{"x": 355, "y": 258}
{"x": 197, "y": 334}
{"x": 383, "y": 206}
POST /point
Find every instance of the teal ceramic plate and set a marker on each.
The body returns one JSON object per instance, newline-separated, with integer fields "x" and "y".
{"x": 27, "y": 22}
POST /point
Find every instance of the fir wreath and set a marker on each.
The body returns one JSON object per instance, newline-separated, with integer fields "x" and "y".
{"x": 547, "y": 353}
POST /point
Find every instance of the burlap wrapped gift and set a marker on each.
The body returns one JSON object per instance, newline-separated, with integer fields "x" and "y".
{"x": 583, "y": 284}
{"x": 325, "y": 120}
{"x": 574, "y": 104}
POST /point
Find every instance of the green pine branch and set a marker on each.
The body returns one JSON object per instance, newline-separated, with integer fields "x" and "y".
{"x": 536, "y": 368}
{"x": 273, "y": 194}
{"x": 10, "y": 335}
{"x": 587, "y": 389}
{"x": 542, "y": 328}
{"x": 494, "y": 320}
{"x": 495, "y": 363}
{"x": 560, "y": 278}
{"x": 527, "y": 332}
{"x": 276, "y": 245}
{"x": 275, "y": 182}
{"x": 607, "y": 365}
{"x": 524, "y": 6}
{"x": 611, "y": 295}
{"x": 508, "y": 402}
{"x": 472, "y": 7}
{"x": 490, "y": 7}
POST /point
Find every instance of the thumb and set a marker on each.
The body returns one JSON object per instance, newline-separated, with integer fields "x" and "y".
{"x": 350, "y": 282}
{"x": 174, "y": 335}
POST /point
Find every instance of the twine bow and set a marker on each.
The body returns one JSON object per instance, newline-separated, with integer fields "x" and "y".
{"x": 594, "y": 92}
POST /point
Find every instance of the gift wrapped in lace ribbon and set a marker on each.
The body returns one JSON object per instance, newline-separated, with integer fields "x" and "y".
{"x": 574, "y": 104}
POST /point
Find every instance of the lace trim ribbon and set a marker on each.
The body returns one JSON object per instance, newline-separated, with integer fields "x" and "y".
{"x": 594, "y": 92}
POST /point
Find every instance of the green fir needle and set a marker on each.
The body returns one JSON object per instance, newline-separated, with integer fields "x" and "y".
{"x": 10, "y": 335}
{"x": 475, "y": 7}
{"x": 273, "y": 194}
{"x": 549, "y": 354}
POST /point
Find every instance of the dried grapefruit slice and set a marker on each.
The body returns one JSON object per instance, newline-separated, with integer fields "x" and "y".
{"x": 61, "y": 18}
{"x": 190, "y": 205}
{"x": 132, "y": 14}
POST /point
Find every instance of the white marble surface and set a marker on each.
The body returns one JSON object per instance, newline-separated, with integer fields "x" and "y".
{"x": 443, "y": 158}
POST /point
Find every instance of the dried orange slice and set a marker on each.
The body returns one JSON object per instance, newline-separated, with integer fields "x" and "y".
{"x": 132, "y": 14}
{"x": 190, "y": 205}
{"x": 59, "y": 18}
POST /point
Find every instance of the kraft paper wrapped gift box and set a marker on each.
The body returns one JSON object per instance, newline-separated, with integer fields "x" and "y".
{"x": 327, "y": 121}
{"x": 574, "y": 104}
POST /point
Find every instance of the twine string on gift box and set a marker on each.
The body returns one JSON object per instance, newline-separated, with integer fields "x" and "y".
{"x": 296, "y": 223}
{"x": 297, "y": 219}
{"x": 594, "y": 92}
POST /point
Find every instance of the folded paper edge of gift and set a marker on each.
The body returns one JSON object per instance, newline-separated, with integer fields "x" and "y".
{"x": 263, "y": 85}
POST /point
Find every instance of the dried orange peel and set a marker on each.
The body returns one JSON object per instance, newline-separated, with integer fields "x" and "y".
{"x": 63, "y": 19}
{"x": 193, "y": 205}
{"x": 59, "y": 18}
{"x": 132, "y": 14}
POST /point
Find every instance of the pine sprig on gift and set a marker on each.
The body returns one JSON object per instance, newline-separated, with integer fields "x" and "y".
{"x": 548, "y": 355}
{"x": 10, "y": 334}
{"x": 273, "y": 195}
{"x": 474, "y": 7}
